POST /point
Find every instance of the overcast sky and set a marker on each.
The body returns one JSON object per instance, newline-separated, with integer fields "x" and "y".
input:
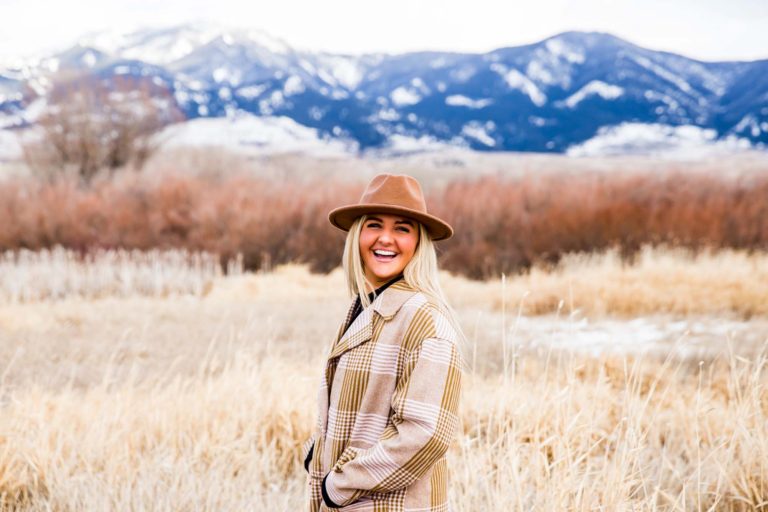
{"x": 701, "y": 29}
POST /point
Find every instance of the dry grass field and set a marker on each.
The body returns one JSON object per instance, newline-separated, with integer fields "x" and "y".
{"x": 154, "y": 382}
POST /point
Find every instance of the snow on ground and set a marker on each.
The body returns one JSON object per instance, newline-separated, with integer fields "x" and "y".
{"x": 516, "y": 80}
{"x": 560, "y": 48}
{"x": 399, "y": 145}
{"x": 657, "y": 140}
{"x": 403, "y": 96}
{"x": 686, "y": 336}
{"x": 253, "y": 134}
{"x": 458, "y": 100}
{"x": 10, "y": 148}
{"x": 338, "y": 70}
{"x": 679, "y": 82}
{"x": 595, "y": 87}
{"x": 479, "y": 132}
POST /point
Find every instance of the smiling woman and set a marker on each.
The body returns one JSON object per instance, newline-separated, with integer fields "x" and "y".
{"x": 389, "y": 393}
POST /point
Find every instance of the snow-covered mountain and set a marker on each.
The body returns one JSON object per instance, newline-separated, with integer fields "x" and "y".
{"x": 575, "y": 92}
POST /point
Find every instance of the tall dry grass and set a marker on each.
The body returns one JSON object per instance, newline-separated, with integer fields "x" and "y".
{"x": 663, "y": 280}
{"x": 502, "y": 225}
{"x": 553, "y": 433}
{"x": 200, "y": 402}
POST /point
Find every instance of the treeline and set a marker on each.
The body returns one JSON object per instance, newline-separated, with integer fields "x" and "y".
{"x": 502, "y": 225}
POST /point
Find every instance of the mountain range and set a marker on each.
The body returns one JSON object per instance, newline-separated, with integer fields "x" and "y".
{"x": 574, "y": 92}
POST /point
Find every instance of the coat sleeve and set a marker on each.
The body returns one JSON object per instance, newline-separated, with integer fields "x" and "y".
{"x": 424, "y": 421}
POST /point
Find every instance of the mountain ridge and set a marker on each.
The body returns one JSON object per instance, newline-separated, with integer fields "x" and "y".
{"x": 553, "y": 95}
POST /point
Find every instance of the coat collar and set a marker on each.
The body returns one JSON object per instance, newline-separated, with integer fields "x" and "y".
{"x": 391, "y": 299}
{"x": 386, "y": 305}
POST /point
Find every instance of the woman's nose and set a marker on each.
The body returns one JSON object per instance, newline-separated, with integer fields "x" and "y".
{"x": 386, "y": 236}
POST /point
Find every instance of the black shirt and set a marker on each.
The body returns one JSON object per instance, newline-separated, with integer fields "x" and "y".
{"x": 358, "y": 306}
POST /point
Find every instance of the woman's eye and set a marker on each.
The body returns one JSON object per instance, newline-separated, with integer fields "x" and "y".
{"x": 405, "y": 230}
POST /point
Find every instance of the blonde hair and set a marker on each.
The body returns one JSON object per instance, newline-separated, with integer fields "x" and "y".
{"x": 421, "y": 273}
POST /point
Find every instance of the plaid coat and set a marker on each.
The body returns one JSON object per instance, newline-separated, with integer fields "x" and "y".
{"x": 388, "y": 417}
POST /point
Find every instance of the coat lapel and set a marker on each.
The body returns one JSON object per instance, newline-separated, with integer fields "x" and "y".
{"x": 361, "y": 330}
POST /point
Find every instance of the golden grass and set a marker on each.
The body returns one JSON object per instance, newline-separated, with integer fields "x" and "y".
{"x": 659, "y": 280}
{"x": 667, "y": 280}
{"x": 561, "y": 433}
{"x": 199, "y": 401}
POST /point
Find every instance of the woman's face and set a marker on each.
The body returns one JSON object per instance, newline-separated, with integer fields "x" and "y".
{"x": 387, "y": 244}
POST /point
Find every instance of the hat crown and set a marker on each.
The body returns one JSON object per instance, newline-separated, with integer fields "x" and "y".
{"x": 396, "y": 190}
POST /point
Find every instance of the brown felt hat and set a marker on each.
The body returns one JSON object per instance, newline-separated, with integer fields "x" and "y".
{"x": 397, "y": 194}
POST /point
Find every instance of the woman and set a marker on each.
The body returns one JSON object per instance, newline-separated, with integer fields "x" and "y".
{"x": 389, "y": 395}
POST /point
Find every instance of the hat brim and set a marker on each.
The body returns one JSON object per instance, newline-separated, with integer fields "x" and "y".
{"x": 344, "y": 216}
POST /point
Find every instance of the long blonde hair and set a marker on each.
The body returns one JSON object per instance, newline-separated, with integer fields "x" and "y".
{"x": 421, "y": 273}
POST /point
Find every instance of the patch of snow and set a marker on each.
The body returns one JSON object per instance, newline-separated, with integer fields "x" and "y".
{"x": 326, "y": 77}
{"x": 438, "y": 63}
{"x": 658, "y": 140}
{"x": 386, "y": 114}
{"x": 250, "y": 92}
{"x": 679, "y": 82}
{"x": 400, "y": 144}
{"x": 10, "y": 146}
{"x": 657, "y": 96}
{"x": 540, "y": 121}
{"x": 595, "y": 87}
{"x": 560, "y": 49}
{"x": 275, "y": 100}
{"x": 347, "y": 72}
{"x": 538, "y": 72}
{"x": 419, "y": 84}
{"x": 479, "y": 132}
{"x": 457, "y": 100}
{"x": 202, "y": 110}
{"x": 316, "y": 113}
{"x": 89, "y": 59}
{"x": 293, "y": 86}
{"x": 271, "y": 43}
{"x": 9, "y": 120}
{"x": 253, "y": 134}
{"x": 463, "y": 73}
{"x": 517, "y": 80}
{"x": 749, "y": 121}
{"x": 404, "y": 96}
{"x": 220, "y": 74}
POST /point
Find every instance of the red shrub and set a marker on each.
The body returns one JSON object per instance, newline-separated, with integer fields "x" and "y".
{"x": 501, "y": 225}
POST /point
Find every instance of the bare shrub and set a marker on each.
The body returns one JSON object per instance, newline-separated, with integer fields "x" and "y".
{"x": 508, "y": 225}
{"x": 501, "y": 225}
{"x": 92, "y": 123}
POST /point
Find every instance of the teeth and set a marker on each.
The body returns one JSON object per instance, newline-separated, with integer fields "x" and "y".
{"x": 384, "y": 253}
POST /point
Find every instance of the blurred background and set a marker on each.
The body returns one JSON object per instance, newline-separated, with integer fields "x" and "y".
{"x": 578, "y": 127}
{"x": 168, "y": 274}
